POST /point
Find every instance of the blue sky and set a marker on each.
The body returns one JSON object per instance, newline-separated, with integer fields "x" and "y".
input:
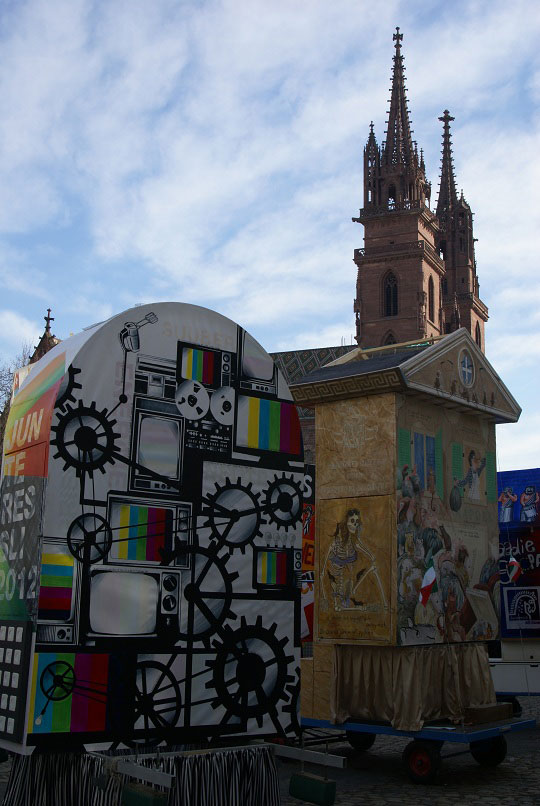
{"x": 211, "y": 152}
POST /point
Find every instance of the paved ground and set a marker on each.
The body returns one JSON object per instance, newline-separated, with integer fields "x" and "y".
{"x": 377, "y": 778}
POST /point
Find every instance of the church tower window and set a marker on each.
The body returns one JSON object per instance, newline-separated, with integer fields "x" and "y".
{"x": 478, "y": 335}
{"x": 431, "y": 300}
{"x": 390, "y": 295}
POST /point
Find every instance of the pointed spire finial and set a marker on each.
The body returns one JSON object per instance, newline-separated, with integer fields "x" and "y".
{"x": 48, "y": 320}
{"x": 399, "y": 148}
{"x": 447, "y": 191}
{"x": 371, "y": 127}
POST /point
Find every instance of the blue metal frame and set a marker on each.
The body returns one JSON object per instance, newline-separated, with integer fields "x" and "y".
{"x": 437, "y": 732}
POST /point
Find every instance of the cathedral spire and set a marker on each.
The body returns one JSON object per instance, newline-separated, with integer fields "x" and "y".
{"x": 447, "y": 200}
{"x": 398, "y": 148}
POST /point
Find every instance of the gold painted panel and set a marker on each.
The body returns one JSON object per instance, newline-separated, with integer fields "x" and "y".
{"x": 355, "y": 561}
{"x": 355, "y": 452}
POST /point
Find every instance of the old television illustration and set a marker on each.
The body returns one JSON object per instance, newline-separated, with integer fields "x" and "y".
{"x": 257, "y": 371}
{"x": 147, "y": 532}
{"x": 59, "y": 594}
{"x": 125, "y": 602}
{"x": 157, "y": 431}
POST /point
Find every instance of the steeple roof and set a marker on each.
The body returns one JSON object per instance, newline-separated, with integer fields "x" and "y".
{"x": 46, "y": 342}
{"x": 447, "y": 192}
{"x": 398, "y": 148}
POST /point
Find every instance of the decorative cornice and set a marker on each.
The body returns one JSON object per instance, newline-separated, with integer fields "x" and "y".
{"x": 309, "y": 394}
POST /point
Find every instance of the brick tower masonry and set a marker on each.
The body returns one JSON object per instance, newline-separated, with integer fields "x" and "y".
{"x": 417, "y": 271}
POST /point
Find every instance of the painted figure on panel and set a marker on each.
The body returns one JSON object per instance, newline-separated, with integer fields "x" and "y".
{"x": 507, "y": 500}
{"x": 529, "y": 499}
{"x": 350, "y": 567}
{"x": 472, "y": 478}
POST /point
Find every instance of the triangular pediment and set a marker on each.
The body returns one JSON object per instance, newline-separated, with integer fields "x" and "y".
{"x": 456, "y": 371}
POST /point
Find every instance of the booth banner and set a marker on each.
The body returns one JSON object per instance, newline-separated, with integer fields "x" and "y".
{"x": 152, "y": 513}
{"x": 308, "y": 555}
{"x": 520, "y": 599}
{"x": 519, "y": 496}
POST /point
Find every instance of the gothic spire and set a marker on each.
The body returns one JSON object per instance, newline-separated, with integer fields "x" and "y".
{"x": 447, "y": 192}
{"x": 398, "y": 148}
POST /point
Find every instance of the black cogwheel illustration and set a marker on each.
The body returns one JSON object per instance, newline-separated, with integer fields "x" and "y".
{"x": 67, "y": 387}
{"x": 293, "y": 706}
{"x": 249, "y": 672}
{"x": 89, "y": 537}
{"x": 283, "y": 501}
{"x": 208, "y": 594}
{"x": 84, "y": 438}
{"x": 234, "y": 514}
{"x": 158, "y": 703}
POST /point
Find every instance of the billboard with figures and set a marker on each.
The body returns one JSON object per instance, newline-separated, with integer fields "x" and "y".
{"x": 519, "y": 552}
{"x": 151, "y": 538}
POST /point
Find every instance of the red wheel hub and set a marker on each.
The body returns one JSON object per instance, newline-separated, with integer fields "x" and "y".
{"x": 420, "y": 762}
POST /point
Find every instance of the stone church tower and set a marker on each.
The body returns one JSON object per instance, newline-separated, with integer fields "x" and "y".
{"x": 416, "y": 272}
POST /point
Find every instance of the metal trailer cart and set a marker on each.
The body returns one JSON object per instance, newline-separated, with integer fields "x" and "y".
{"x": 422, "y": 756}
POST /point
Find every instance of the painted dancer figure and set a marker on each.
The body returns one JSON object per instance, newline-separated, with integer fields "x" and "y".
{"x": 528, "y": 499}
{"x": 507, "y": 500}
{"x": 350, "y": 567}
{"x": 472, "y": 479}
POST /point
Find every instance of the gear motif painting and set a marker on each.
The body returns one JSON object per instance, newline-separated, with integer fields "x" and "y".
{"x": 283, "y": 501}
{"x": 166, "y": 500}
{"x": 234, "y": 514}
{"x": 85, "y": 438}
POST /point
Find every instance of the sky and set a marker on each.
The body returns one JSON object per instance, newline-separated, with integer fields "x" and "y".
{"x": 210, "y": 152}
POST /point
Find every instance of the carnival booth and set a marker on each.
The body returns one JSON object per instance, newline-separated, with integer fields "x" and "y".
{"x": 151, "y": 538}
{"x": 406, "y": 547}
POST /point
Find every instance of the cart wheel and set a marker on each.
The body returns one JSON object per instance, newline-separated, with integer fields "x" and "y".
{"x": 490, "y": 752}
{"x": 360, "y": 741}
{"x": 422, "y": 761}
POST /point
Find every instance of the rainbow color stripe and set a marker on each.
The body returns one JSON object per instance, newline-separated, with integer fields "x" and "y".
{"x": 268, "y": 425}
{"x": 56, "y": 586}
{"x": 198, "y": 365}
{"x": 144, "y": 532}
{"x": 272, "y": 568}
{"x": 84, "y": 710}
{"x": 29, "y": 394}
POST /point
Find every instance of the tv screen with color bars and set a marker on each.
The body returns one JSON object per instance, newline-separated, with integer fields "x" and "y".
{"x": 196, "y": 364}
{"x": 271, "y": 567}
{"x": 141, "y": 533}
{"x": 269, "y": 425}
{"x": 56, "y": 590}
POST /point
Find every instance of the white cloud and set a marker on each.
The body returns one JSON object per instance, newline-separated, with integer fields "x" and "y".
{"x": 212, "y": 152}
{"x": 16, "y": 330}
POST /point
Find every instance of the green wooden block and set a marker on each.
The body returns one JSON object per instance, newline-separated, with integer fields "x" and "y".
{"x": 141, "y": 795}
{"x": 313, "y": 789}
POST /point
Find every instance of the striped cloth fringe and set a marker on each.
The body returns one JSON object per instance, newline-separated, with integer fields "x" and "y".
{"x": 246, "y": 777}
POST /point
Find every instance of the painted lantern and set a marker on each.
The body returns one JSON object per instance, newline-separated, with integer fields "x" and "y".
{"x": 151, "y": 537}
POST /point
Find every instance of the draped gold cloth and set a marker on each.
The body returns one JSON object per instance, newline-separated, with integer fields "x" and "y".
{"x": 408, "y": 686}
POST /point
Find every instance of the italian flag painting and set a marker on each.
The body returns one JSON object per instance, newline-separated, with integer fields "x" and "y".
{"x": 514, "y": 569}
{"x": 429, "y": 584}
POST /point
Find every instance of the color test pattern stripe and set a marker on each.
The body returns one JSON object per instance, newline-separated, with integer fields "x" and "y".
{"x": 274, "y": 568}
{"x": 271, "y": 425}
{"x": 198, "y": 365}
{"x": 142, "y": 532}
{"x": 89, "y": 708}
